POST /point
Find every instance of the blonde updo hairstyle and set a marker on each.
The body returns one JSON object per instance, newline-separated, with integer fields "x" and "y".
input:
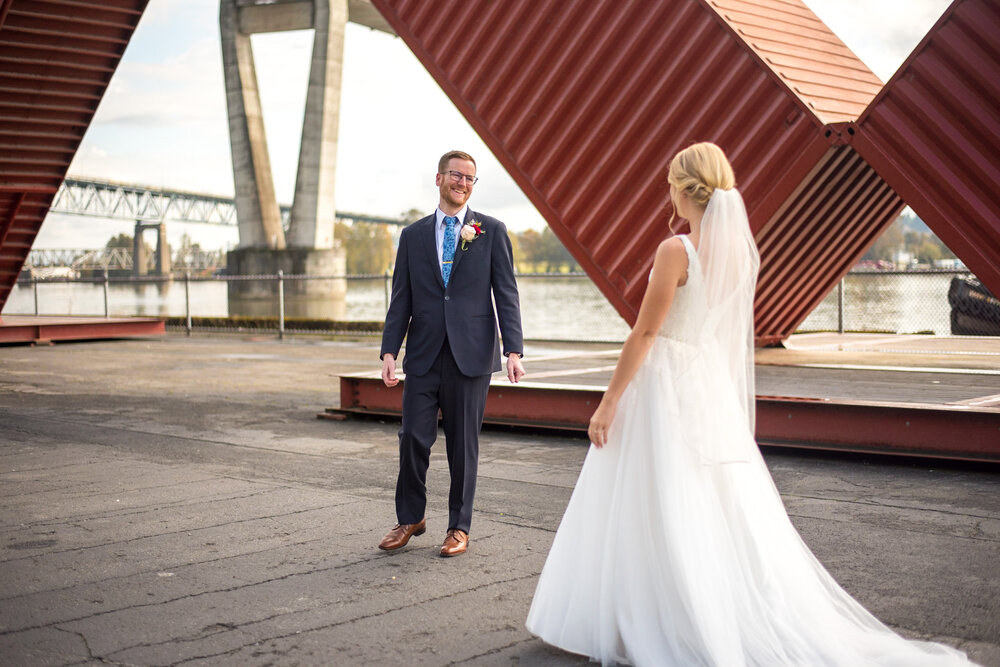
{"x": 699, "y": 170}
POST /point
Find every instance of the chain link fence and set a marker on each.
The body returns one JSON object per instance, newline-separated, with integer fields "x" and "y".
{"x": 555, "y": 307}
{"x": 907, "y": 302}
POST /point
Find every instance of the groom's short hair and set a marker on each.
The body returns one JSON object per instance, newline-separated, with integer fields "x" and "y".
{"x": 443, "y": 162}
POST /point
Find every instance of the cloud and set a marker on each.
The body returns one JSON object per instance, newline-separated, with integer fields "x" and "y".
{"x": 881, "y": 33}
{"x": 183, "y": 88}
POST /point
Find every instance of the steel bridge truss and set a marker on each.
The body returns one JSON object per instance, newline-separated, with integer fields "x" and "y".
{"x": 120, "y": 201}
{"x": 41, "y": 262}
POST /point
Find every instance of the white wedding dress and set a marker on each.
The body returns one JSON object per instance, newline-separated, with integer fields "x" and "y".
{"x": 676, "y": 550}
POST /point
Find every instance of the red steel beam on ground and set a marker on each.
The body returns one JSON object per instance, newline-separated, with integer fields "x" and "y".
{"x": 908, "y": 429}
{"x": 27, "y": 329}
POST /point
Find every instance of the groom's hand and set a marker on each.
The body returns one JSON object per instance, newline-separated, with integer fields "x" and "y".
{"x": 515, "y": 371}
{"x": 389, "y": 370}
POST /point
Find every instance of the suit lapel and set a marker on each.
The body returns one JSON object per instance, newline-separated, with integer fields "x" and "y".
{"x": 428, "y": 239}
{"x": 459, "y": 253}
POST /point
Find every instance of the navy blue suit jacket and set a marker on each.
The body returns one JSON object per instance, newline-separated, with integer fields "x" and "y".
{"x": 424, "y": 312}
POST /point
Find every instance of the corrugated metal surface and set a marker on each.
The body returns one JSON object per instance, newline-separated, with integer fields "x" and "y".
{"x": 56, "y": 59}
{"x": 585, "y": 103}
{"x": 817, "y": 235}
{"x": 934, "y": 134}
{"x": 809, "y": 58}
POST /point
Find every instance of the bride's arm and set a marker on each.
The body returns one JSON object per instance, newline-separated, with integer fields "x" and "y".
{"x": 669, "y": 270}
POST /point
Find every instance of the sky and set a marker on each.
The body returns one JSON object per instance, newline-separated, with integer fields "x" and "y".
{"x": 163, "y": 121}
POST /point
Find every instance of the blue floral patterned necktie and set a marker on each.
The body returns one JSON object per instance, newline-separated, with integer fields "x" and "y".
{"x": 448, "y": 247}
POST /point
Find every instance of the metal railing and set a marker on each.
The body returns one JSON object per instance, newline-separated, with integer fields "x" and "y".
{"x": 555, "y": 307}
{"x": 900, "y": 302}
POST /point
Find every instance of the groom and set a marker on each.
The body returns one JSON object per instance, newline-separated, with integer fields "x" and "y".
{"x": 450, "y": 268}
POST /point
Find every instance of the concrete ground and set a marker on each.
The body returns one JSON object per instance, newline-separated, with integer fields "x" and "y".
{"x": 175, "y": 501}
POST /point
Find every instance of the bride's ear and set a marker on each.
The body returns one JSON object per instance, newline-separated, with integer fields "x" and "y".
{"x": 680, "y": 201}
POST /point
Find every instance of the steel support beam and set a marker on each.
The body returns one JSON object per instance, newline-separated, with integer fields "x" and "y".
{"x": 28, "y": 329}
{"x": 908, "y": 429}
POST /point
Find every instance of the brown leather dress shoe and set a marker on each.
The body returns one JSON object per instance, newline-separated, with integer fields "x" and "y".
{"x": 401, "y": 534}
{"x": 455, "y": 542}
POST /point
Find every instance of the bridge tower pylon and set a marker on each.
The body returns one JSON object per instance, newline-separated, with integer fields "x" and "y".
{"x": 308, "y": 247}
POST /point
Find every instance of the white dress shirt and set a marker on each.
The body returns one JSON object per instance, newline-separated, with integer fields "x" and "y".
{"x": 439, "y": 231}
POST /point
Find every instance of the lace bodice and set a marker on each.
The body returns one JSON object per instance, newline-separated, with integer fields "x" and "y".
{"x": 687, "y": 314}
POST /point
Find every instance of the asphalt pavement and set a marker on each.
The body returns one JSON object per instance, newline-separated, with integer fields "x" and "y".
{"x": 175, "y": 501}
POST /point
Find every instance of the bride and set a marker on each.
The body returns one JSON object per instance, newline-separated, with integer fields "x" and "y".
{"x": 675, "y": 549}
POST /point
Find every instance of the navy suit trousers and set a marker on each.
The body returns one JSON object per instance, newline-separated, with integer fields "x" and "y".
{"x": 462, "y": 401}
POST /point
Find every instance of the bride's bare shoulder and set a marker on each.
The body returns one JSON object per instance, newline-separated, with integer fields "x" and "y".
{"x": 673, "y": 243}
{"x": 672, "y": 250}
{"x": 671, "y": 257}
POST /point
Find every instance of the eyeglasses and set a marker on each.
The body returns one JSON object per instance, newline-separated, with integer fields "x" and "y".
{"x": 458, "y": 177}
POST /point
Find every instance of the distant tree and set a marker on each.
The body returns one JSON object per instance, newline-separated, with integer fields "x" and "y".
{"x": 368, "y": 246}
{"x": 188, "y": 243}
{"x": 886, "y": 246}
{"x": 528, "y": 242}
{"x": 188, "y": 253}
{"x": 928, "y": 251}
{"x": 412, "y": 215}
{"x": 912, "y": 238}
{"x": 908, "y": 233}
{"x": 542, "y": 252}
{"x": 515, "y": 248}
{"x": 123, "y": 240}
{"x": 554, "y": 253}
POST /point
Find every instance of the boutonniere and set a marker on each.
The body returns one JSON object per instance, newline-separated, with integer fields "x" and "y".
{"x": 470, "y": 232}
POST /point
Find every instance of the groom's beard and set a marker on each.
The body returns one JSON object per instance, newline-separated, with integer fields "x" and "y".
{"x": 456, "y": 195}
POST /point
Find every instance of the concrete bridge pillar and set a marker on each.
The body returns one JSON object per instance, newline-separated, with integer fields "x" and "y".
{"x": 163, "y": 266}
{"x": 309, "y": 239}
{"x": 140, "y": 259}
{"x": 313, "y": 209}
{"x": 257, "y": 210}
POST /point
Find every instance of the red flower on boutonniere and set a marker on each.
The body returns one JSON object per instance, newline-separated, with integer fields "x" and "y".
{"x": 470, "y": 232}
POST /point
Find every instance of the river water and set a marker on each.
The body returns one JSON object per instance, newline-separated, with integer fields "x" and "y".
{"x": 553, "y": 307}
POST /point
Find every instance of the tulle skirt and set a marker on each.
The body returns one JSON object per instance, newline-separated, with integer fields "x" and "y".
{"x": 676, "y": 550}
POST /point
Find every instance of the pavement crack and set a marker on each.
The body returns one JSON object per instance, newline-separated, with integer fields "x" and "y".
{"x": 90, "y": 652}
{"x": 146, "y": 509}
{"x": 192, "y": 596}
{"x": 185, "y": 531}
{"x": 886, "y": 505}
{"x": 492, "y": 651}
{"x": 206, "y": 561}
{"x": 975, "y": 535}
{"x": 168, "y": 436}
{"x": 346, "y": 621}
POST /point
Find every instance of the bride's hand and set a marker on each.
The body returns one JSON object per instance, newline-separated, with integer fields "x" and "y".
{"x": 600, "y": 422}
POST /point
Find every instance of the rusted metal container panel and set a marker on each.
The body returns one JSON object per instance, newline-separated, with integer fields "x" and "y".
{"x": 820, "y": 231}
{"x": 934, "y": 134}
{"x": 816, "y": 66}
{"x": 585, "y": 103}
{"x": 56, "y": 60}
